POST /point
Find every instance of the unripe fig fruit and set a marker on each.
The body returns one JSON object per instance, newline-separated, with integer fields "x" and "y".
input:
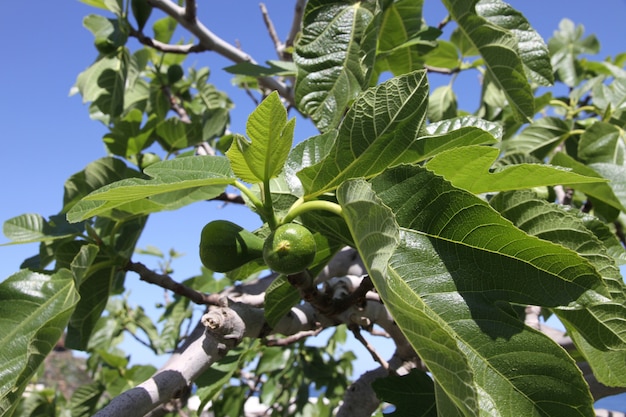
{"x": 289, "y": 249}
{"x": 225, "y": 246}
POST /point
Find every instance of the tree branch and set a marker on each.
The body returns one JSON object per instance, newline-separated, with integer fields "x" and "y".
{"x": 225, "y": 329}
{"x": 165, "y": 281}
{"x": 212, "y": 42}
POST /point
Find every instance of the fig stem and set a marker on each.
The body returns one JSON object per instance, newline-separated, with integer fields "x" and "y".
{"x": 301, "y": 206}
{"x": 265, "y": 209}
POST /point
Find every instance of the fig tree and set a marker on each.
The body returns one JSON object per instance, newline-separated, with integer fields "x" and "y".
{"x": 289, "y": 249}
{"x": 225, "y": 246}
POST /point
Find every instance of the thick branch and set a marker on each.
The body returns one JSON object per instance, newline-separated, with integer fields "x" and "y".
{"x": 173, "y": 380}
{"x": 212, "y": 42}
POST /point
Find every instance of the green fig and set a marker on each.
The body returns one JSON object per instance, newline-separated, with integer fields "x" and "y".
{"x": 289, "y": 249}
{"x": 225, "y": 246}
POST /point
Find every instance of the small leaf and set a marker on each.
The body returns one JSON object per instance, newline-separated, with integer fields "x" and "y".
{"x": 28, "y": 228}
{"x": 141, "y": 10}
{"x": 565, "y": 47}
{"x": 470, "y": 168}
{"x": 271, "y": 136}
{"x": 413, "y": 395}
{"x": 442, "y": 104}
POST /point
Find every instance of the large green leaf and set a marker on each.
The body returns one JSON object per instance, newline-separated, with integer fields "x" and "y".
{"x": 174, "y": 183}
{"x": 570, "y": 229}
{"x": 334, "y": 55}
{"x": 381, "y": 128}
{"x": 270, "y": 136}
{"x": 34, "y": 310}
{"x": 376, "y": 237}
{"x": 550, "y": 222}
{"x": 453, "y": 268}
{"x": 530, "y": 45}
{"x": 469, "y": 167}
{"x": 498, "y": 48}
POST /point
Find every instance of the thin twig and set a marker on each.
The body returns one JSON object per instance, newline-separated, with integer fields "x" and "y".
{"x": 212, "y": 42}
{"x": 165, "y": 47}
{"x": 357, "y": 334}
{"x": 296, "y": 23}
{"x": 289, "y": 340}
{"x": 271, "y": 30}
{"x": 165, "y": 281}
{"x": 175, "y": 105}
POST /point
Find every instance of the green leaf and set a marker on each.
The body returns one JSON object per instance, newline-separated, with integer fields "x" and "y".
{"x": 164, "y": 29}
{"x": 605, "y": 192}
{"x": 28, "y": 228}
{"x": 498, "y": 48}
{"x": 174, "y": 183}
{"x": 87, "y": 81}
{"x": 540, "y": 137}
{"x": 376, "y": 236}
{"x": 456, "y": 266}
{"x": 97, "y": 174}
{"x": 106, "y": 31}
{"x": 445, "y": 55}
{"x": 128, "y": 137}
{"x": 413, "y": 395}
{"x": 458, "y": 123}
{"x": 142, "y": 11}
{"x": 403, "y": 38}
{"x": 34, "y": 310}
{"x": 274, "y": 68}
{"x": 306, "y": 153}
{"x": 271, "y": 136}
{"x": 442, "y": 104}
{"x": 280, "y": 297}
{"x": 85, "y": 399}
{"x": 469, "y": 168}
{"x": 369, "y": 140}
{"x": 565, "y": 47}
{"x": 334, "y": 56}
{"x": 211, "y": 382}
{"x": 464, "y": 230}
{"x": 531, "y": 47}
{"x": 602, "y": 143}
{"x": 603, "y": 322}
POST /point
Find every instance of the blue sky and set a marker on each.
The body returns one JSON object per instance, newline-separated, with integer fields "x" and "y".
{"x": 48, "y": 135}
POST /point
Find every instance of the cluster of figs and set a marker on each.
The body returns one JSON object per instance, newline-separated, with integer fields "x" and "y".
{"x": 225, "y": 246}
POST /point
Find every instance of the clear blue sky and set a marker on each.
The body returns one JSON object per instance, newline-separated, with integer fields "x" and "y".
{"x": 48, "y": 136}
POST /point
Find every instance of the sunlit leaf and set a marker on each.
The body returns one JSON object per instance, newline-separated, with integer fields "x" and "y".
{"x": 470, "y": 168}
{"x": 334, "y": 56}
{"x": 34, "y": 310}
{"x": 498, "y": 49}
{"x": 174, "y": 183}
